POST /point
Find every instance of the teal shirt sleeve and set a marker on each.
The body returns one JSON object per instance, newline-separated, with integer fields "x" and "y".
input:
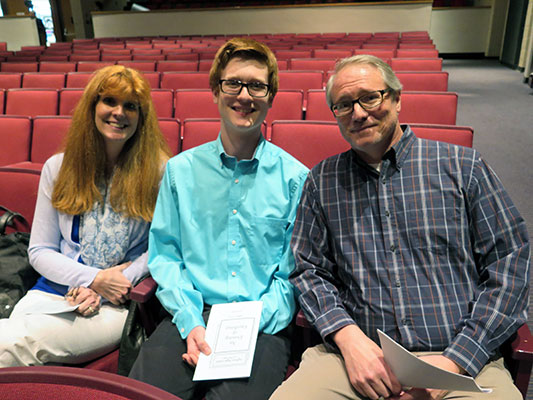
{"x": 175, "y": 290}
{"x": 279, "y": 303}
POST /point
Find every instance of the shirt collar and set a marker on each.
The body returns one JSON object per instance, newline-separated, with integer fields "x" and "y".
{"x": 397, "y": 154}
{"x": 231, "y": 161}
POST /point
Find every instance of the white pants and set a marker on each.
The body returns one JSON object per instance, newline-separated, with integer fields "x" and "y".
{"x": 35, "y": 338}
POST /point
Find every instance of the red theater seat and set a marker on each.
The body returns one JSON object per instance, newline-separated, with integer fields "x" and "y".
{"x": 429, "y": 108}
{"x": 309, "y": 141}
{"x": 32, "y": 102}
{"x": 15, "y": 136}
{"x": 48, "y": 80}
{"x": 197, "y": 131}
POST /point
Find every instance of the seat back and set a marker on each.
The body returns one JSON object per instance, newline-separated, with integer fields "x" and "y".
{"x": 429, "y": 107}
{"x": 416, "y": 64}
{"x": 303, "y": 80}
{"x": 417, "y": 53}
{"x": 287, "y": 105}
{"x": 185, "y": 80}
{"x": 48, "y": 136}
{"x": 143, "y": 66}
{"x": 78, "y": 79}
{"x": 384, "y": 54}
{"x": 170, "y": 128}
{"x": 309, "y": 141}
{"x": 163, "y": 66}
{"x": 153, "y": 78}
{"x": 433, "y": 81}
{"x": 91, "y": 66}
{"x": 313, "y": 64}
{"x": 22, "y": 194}
{"x": 163, "y": 102}
{"x": 32, "y": 102}
{"x": 19, "y": 67}
{"x": 50, "y": 80}
{"x": 10, "y": 80}
{"x": 288, "y": 54}
{"x": 332, "y": 53}
{"x": 195, "y": 103}
{"x": 68, "y": 98}
{"x": 62, "y": 383}
{"x": 15, "y": 136}
{"x": 317, "y": 108}
{"x": 461, "y": 135}
{"x": 197, "y": 131}
{"x": 66, "y": 66}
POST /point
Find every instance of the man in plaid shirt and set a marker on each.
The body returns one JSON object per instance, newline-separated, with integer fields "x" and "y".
{"x": 414, "y": 237}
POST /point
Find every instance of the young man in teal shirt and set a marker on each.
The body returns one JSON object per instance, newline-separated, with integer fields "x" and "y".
{"x": 221, "y": 233}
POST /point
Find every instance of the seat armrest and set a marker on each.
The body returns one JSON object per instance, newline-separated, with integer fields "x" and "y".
{"x": 144, "y": 290}
{"x": 522, "y": 344}
{"x": 301, "y": 321}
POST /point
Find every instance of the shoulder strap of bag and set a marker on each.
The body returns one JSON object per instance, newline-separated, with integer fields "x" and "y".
{"x": 8, "y": 217}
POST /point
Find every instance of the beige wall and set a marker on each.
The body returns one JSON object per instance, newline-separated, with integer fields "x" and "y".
{"x": 339, "y": 18}
{"x": 18, "y": 32}
{"x": 460, "y": 30}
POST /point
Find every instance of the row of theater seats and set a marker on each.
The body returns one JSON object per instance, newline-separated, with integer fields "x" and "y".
{"x": 436, "y": 81}
{"x": 158, "y": 55}
{"x": 32, "y": 141}
{"x": 421, "y": 107}
{"x": 323, "y": 64}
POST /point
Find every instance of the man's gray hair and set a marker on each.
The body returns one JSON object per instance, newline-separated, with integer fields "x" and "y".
{"x": 389, "y": 78}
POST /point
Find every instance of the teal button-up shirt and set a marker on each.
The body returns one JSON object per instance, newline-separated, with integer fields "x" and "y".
{"x": 221, "y": 233}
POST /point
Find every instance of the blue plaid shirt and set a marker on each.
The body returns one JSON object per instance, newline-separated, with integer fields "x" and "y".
{"x": 430, "y": 250}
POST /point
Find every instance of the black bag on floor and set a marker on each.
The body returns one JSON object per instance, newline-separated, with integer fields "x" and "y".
{"x": 16, "y": 273}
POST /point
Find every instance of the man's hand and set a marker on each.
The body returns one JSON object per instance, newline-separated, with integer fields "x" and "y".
{"x": 368, "y": 372}
{"x": 112, "y": 284}
{"x": 441, "y": 362}
{"x": 87, "y": 299}
{"x": 196, "y": 344}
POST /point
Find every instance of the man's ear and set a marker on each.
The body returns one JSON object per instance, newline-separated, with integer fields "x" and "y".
{"x": 215, "y": 96}
{"x": 399, "y": 102}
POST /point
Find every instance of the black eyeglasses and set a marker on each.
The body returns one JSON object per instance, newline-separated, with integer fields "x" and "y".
{"x": 234, "y": 87}
{"x": 367, "y": 102}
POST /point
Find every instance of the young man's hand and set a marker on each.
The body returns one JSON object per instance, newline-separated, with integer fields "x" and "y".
{"x": 196, "y": 344}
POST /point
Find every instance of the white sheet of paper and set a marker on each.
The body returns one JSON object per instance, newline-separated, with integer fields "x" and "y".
{"x": 411, "y": 371}
{"x": 232, "y": 335}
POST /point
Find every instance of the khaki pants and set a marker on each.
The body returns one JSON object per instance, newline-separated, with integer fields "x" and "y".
{"x": 31, "y": 338}
{"x": 322, "y": 376}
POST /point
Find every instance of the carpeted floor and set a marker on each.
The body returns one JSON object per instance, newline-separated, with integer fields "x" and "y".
{"x": 494, "y": 101}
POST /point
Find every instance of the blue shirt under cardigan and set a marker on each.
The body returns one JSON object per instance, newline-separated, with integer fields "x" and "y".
{"x": 221, "y": 232}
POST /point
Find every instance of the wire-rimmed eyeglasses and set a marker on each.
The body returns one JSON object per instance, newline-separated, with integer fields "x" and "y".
{"x": 367, "y": 102}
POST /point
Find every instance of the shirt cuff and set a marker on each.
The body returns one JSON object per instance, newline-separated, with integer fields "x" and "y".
{"x": 467, "y": 353}
{"x": 332, "y": 321}
{"x": 186, "y": 322}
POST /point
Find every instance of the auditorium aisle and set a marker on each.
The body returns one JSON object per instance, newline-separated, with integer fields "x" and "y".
{"x": 494, "y": 100}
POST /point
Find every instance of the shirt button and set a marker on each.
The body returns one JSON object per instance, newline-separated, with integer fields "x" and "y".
{"x": 404, "y": 321}
{"x": 233, "y": 273}
{"x": 182, "y": 330}
{"x": 387, "y": 213}
{"x": 234, "y": 212}
{"x": 392, "y": 248}
{"x": 233, "y": 242}
{"x": 236, "y": 181}
{"x": 398, "y": 283}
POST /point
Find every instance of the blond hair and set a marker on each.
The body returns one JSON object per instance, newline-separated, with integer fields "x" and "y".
{"x": 137, "y": 173}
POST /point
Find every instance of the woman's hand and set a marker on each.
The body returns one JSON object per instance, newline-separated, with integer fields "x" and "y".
{"x": 88, "y": 300}
{"x": 112, "y": 284}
